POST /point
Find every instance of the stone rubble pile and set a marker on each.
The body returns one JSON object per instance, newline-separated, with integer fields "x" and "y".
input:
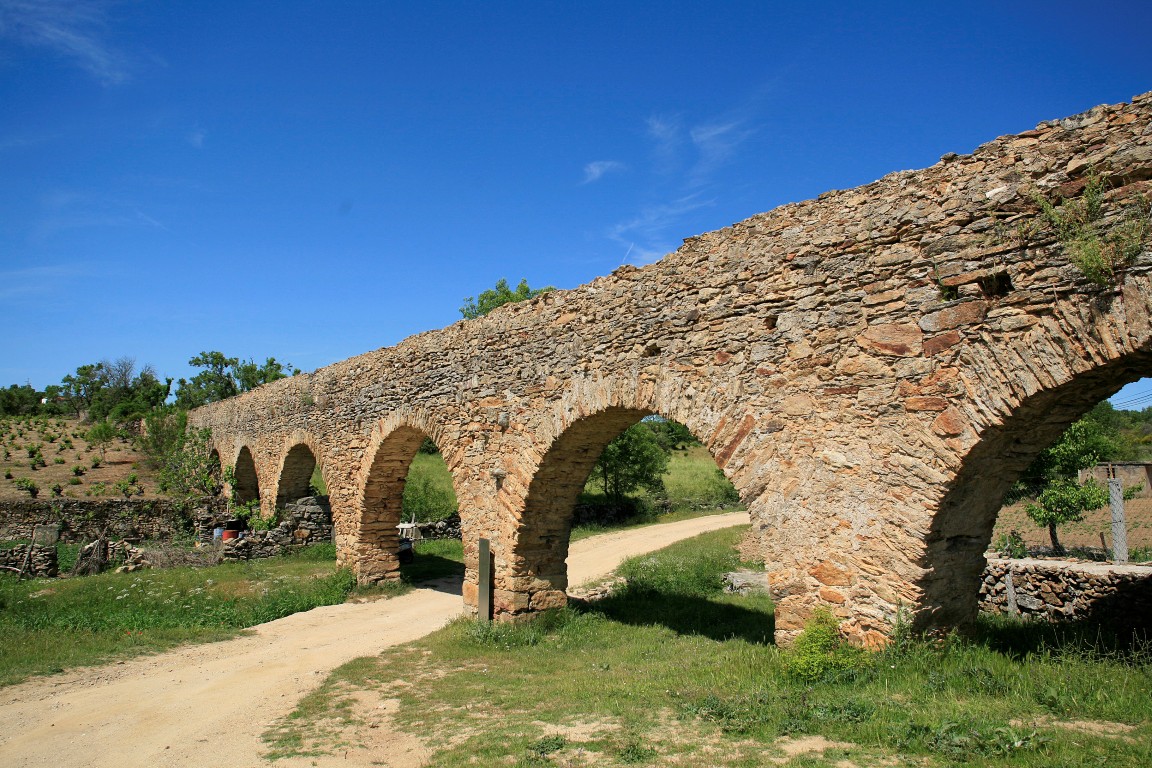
{"x": 134, "y": 558}
{"x": 744, "y": 582}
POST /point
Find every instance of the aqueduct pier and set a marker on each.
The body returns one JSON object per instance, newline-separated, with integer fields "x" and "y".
{"x": 872, "y": 369}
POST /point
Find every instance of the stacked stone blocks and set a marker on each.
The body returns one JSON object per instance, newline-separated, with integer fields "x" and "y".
{"x": 871, "y": 369}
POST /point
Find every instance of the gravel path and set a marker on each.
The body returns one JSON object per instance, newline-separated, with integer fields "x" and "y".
{"x": 206, "y": 705}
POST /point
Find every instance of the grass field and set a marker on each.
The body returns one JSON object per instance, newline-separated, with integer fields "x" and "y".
{"x": 671, "y": 672}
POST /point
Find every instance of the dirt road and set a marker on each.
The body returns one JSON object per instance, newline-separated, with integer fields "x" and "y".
{"x": 206, "y": 705}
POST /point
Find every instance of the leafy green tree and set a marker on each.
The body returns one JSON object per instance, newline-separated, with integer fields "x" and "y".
{"x": 101, "y": 435}
{"x": 249, "y": 375}
{"x": 499, "y": 296}
{"x": 189, "y": 469}
{"x": 1052, "y": 477}
{"x": 1065, "y": 501}
{"x": 213, "y": 384}
{"x": 162, "y": 433}
{"x": 127, "y": 394}
{"x": 19, "y": 400}
{"x": 224, "y": 377}
{"x": 632, "y": 461}
{"x": 672, "y": 435}
{"x": 81, "y": 389}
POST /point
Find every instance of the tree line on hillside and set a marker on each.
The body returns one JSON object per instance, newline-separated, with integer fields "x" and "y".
{"x": 118, "y": 392}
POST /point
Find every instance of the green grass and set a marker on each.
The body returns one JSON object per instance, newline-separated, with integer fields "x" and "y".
{"x": 428, "y": 492}
{"x": 50, "y": 625}
{"x": 693, "y": 487}
{"x": 694, "y": 482}
{"x": 668, "y": 671}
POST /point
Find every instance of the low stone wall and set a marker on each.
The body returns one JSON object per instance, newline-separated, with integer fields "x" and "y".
{"x": 85, "y": 520}
{"x": 43, "y": 565}
{"x": 448, "y": 528}
{"x": 1061, "y": 590}
{"x": 302, "y": 522}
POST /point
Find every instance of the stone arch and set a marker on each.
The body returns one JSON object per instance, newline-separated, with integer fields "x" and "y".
{"x": 392, "y": 447}
{"x": 588, "y": 418}
{"x": 246, "y": 487}
{"x": 1091, "y": 351}
{"x": 298, "y": 461}
{"x": 541, "y": 547}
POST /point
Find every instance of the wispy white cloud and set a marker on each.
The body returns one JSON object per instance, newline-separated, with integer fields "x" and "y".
{"x": 196, "y": 137}
{"x": 715, "y": 143}
{"x": 595, "y": 170}
{"x": 73, "y": 29}
{"x": 36, "y": 281}
{"x": 686, "y": 160}
{"x": 647, "y": 236}
{"x": 66, "y": 210}
{"x": 667, "y": 138}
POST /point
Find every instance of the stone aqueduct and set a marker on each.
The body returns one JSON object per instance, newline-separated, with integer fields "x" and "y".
{"x": 871, "y": 369}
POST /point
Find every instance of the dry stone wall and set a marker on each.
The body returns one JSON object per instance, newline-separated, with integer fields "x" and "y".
{"x": 84, "y": 520}
{"x": 42, "y": 564}
{"x": 1117, "y": 595}
{"x": 871, "y": 369}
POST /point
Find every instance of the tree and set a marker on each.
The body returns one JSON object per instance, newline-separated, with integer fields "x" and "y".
{"x": 249, "y": 375}
{"x": 190, "y": 469}
{"x": 224, "y": 377}
{"x": 672, "y": 435}
{"x": 20, "y": 400}
{"x": 632, "y": 461}
{"x": 1052, "y": 476}
{"x": 1065, "y": 501}
{"x": 101, "y": 434}
{"x": 80, "y": 390}
{"x": 499, "y": 296}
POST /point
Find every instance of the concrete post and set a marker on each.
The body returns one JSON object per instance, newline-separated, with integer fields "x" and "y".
{"x": 1119, "y": 530}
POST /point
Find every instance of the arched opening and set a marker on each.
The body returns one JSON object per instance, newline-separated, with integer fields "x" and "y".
{"x": 246, "y": 484}
{"x": 407, "y": 483}
{"x": 961, "y": 530}
{"x": 296, "y": 475}
{"x": 572, "y": 471}
{"x": 214, "y": 467}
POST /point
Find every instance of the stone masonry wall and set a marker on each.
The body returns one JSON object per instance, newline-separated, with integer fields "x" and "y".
{"x": 1117, "y": 595}
{"x": 871, "y": 369}
{"x": 83, "y": 520}
{"x": 44, "y": 563}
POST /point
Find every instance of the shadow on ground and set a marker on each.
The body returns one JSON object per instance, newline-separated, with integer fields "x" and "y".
{"x": 715, "y": 619}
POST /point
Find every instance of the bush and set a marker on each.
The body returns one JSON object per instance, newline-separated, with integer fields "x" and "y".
{"x": 25, "y": 484}
{"x": 820, "y": 652}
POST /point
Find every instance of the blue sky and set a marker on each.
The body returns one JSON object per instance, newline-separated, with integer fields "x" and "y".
{"x": 315, "y": 180}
